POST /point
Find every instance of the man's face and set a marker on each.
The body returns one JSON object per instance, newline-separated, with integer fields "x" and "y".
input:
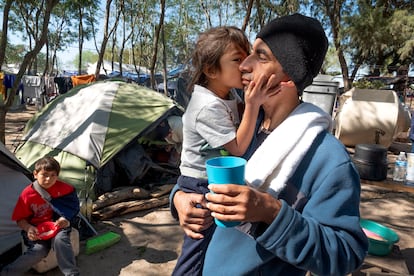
{"x": 261, "y": 62}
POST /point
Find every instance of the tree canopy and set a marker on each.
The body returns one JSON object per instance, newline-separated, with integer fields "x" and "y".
{"x": 378, "y": 34}
{"x": 159, "y": 34}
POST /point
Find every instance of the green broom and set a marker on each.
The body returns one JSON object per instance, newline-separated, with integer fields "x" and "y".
{"x": 102, "y": 241}
{"x": 99, "y": 242}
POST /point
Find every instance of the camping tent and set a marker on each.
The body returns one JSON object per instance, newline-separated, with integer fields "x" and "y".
{"x": 14, "y": 176}
{"x": 86, "y": 128}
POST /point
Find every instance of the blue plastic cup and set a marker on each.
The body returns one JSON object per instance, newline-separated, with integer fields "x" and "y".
{"x": 226, "y": 170}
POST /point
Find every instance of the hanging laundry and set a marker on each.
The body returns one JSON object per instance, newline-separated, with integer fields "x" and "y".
{"x": 8, "y": 82}
{"x": 82, "y": 79}
{"x": 33, "y": 88}
{"x": 64, "y": 84}
{"x": 50, "y": 87}
{"x": 2, "y": 86}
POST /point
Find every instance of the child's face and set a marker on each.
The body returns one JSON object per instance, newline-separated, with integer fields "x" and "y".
{"x": 229, "y": 75}
{"x": 46, "y": 179}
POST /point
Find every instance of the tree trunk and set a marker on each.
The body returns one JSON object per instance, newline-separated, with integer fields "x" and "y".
{"x": 334, "y": 14}
{"x": 156, "y": 39}
{"x": 205, "y": 8}
{"x": 3, "y": 41}
{"x": 28, "y": 58}
{"x": 355, "y": 69}
{"x": 114, "y": 41}
{"x": 247, "y": 16}
{"x": 164, "y": 62}
{"x": 107, "y": 34}
{"x": 80, "y": 39}
{"x": 125, "y": 37}
{"x": 3, "y": 112}
{"x": 344, "y": 69}
{"x": 3, "y": 44}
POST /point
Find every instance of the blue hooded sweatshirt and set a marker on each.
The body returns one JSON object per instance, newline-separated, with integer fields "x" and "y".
{"x": 316, "y": 230}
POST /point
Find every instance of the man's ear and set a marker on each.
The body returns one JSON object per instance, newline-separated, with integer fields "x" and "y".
{"x": 287, "y": 83}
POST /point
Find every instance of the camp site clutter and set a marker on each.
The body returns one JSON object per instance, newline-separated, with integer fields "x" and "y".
{"x": 110, "y": 139}
{"x": 39, "y": 90}
{"x": 112, "y": 145}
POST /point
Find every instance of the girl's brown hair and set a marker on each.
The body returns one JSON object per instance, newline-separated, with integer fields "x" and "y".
{"x": 47, "y": 163}
{"x": 210, "y": 47}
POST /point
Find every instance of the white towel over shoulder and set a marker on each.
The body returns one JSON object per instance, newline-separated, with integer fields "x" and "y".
{"x": 274, "y": 162}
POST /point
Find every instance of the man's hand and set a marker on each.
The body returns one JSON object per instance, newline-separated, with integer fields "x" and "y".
{"x": 232, "y": 202}
{"x": 192, "y": 214}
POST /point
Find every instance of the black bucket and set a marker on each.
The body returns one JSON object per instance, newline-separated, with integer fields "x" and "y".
{"x": 371, "y": 161}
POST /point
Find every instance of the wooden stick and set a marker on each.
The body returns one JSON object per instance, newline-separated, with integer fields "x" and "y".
{"x": 161, "y": 190}
{"x": 111, "y": 198}
{"x": 130, "y": 206}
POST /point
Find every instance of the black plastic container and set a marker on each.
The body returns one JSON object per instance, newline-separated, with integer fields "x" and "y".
{"x": 371, "y": 161}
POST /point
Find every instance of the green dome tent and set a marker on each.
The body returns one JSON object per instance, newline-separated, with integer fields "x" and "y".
{"x": 14, "y": 177}
{"x": 85, "y": 128}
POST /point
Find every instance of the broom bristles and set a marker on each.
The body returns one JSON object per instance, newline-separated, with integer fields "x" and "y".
{"x": 100, "y": 242}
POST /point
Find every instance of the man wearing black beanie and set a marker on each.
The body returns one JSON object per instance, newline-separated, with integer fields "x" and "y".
{"x": 300, "y": 206}
{"x": 299, "y": 43}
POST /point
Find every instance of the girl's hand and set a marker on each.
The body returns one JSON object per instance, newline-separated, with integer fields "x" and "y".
{"x": 258, "y": 92}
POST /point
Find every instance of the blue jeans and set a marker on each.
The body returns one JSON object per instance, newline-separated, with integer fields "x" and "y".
{"x": 193, "y": 252}
{"x": 37, "y": 250}
{"x": 191, "y": 260}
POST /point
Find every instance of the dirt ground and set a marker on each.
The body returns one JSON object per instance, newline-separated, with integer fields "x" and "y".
{"x": 151, "y": 240}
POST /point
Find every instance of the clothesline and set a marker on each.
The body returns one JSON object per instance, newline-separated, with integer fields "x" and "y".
{"x": 32, "y": 88}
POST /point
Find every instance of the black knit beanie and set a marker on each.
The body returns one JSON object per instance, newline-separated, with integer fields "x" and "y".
{"x": 299, "y": 44}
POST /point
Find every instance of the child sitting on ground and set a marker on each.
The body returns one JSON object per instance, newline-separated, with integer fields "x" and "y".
{"x": 32, "y": 209}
